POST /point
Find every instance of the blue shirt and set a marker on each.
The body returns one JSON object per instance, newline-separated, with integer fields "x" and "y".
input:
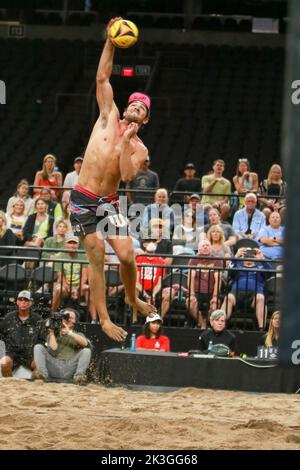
{"x": 272, "y": 252}
{"x": 240, "y": 222}
{"x": 248, "y": 280}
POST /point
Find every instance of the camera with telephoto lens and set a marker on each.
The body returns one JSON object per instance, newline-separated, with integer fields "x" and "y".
{"x": 55, "y": 321}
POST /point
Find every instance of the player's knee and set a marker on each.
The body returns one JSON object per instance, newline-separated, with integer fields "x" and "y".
{"x": 126, "y": 256}
{"x": 96, "y": 257}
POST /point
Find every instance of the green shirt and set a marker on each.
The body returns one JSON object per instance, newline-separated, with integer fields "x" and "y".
{"x": 71, "y": 270}
{"x": 52, "y": 243}
{"x": 221, "y": 187}
{"x": 67, "y": 347}
{"x": 41, "y": 228}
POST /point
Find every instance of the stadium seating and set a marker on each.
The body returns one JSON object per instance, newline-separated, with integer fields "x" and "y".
{"x": 208, "y": 102}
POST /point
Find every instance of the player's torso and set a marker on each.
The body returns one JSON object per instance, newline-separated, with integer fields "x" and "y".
{"x": 100, "y": 171}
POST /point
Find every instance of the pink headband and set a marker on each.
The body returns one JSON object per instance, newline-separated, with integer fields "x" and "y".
{"x": 137, "y": 96}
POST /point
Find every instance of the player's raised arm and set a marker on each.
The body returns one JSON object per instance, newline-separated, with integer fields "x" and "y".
{"x": 104, "y": 91}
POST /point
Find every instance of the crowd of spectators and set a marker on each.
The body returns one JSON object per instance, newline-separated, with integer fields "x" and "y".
{"x": 215, "y": 215}
{"x": 210, "y": 257}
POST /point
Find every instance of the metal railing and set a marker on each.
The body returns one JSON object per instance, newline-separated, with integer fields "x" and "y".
{"x": 173, "y": 298}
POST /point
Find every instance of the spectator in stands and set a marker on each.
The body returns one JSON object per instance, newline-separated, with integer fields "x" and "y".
{"x": 72, "y": 277}
{"x": 187, "y": 232}
{"x": 215, "y": 236}
{"x": 204, "y": 283}
{"x": 16, "y": 220}
{"x": 271, "y": 338}
{"x": 215, "y": 219}
{"x": 189, "y": 183}
{"x": 160, "y": 209}
{"x": 48, "y": 176}
{"x": 144, "y": 179}
{"x": 152, "y": 339}
{"x": 57, "y": 241}
{"x": 53, "y": 207}
{"x": 22, "y": 192}
{"x": 200, "y": 214}
{"x": 273, "y": 191}
{"x": 7, "y": 238}
{"x": 20, "y": 330}
{"x": 215, "y": 183}
{"x": 248, "y": 284}
{"x": 245, "y": 181}
{"x": 38, "y": 226}
{"x": 65, "y": 203}
{"x": 271, "y": 237}
{"x": 149, "y": 279}
{"x": 157, "y": 233}
{"x": 247, "y": 222}
{"x": 72, "y": 177}
{"x": 67, "y": 355}
{"x": 218, "y": 333}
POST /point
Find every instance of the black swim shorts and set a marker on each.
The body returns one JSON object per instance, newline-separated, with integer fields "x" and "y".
{"x": 91, "y": 213}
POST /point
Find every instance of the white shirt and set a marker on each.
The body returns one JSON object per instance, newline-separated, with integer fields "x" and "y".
{"x": 71, "y": 179}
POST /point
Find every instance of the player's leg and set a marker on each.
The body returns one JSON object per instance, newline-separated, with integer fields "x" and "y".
{"x": 124, "y": 250}
{"x": 95, "y": 251}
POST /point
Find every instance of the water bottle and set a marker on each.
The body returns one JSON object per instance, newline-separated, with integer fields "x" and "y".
{"x": 210, "y": 344}
{"x": 132, "y": 343}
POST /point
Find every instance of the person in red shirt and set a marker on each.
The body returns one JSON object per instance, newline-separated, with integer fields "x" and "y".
{"x": 152, "y": 339}
{"x": 149, "y": 278}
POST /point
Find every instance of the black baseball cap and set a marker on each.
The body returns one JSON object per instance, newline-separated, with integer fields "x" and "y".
{"x": 190, "y": 166}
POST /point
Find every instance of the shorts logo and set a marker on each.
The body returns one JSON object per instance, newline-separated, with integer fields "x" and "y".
{"x": 76, "y": 228}
{"x": 118, "y": 220}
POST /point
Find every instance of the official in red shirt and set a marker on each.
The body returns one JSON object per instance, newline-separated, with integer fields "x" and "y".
{"x": 152, "y": 339}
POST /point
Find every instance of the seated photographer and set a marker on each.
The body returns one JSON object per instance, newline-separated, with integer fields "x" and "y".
{"x": 68, "y": 352}
{"x": 248, "y": 284}
{"x": 218, "y": 333}
{"x": 20, "y": 330}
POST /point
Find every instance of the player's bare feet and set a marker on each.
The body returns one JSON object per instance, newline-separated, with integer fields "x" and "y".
{"x": 142, "y": 307}
{"x": 113, "y": 331}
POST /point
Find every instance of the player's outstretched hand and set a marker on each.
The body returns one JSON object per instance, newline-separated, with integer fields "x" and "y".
{"x": 111, "y": 22}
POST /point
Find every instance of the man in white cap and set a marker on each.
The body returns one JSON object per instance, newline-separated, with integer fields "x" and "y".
{"x": 153, "y": 339}
{"x": 20, "y": 330}
{"x": 113, "y": 153}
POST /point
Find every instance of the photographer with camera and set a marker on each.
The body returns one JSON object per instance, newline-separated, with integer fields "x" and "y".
{"x": 68, "y": 352}
{"x": 20, "y": 330}
{"x": 248, "y": 284}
